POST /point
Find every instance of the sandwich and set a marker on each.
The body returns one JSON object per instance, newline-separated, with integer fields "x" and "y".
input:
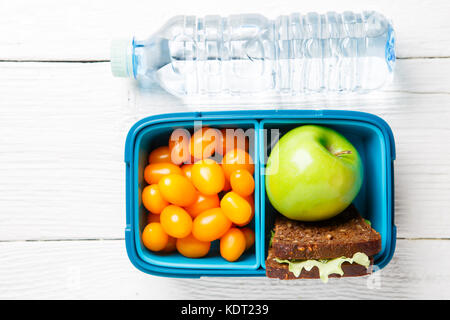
{"x": 342, "y": 246}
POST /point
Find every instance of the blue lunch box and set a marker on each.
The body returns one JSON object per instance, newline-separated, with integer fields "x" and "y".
{"x": 370, "y": 134}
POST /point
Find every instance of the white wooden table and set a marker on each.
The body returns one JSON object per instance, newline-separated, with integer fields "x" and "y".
{"x": 64, "y": 118}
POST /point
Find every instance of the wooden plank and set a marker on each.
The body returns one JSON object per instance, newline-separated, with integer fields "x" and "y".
{"x": 101, "y": 270}
{"x": 63, "y": 128}
{"x": 82, "y": 30}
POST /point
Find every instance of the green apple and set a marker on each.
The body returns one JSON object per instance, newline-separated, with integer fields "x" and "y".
{"x": 313, "y": 173}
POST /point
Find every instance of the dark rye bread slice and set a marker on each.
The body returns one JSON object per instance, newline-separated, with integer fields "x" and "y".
{"x": 341, "y": 236}
{"x": 281, "y": 270}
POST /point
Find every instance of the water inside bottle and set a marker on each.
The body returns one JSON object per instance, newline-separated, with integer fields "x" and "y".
{"x": 264, "y": 57}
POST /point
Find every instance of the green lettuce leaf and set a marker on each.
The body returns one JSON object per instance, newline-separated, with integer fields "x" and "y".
{"x": 326, "y": 267}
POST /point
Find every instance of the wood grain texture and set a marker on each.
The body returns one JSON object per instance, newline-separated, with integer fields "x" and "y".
{"x": 63, "y": 128}
{"x": 101, "y": 270}
{"x": 82, "y": 29}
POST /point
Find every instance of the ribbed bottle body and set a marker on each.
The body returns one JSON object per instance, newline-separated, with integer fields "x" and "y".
{"x": 250, "y": 54}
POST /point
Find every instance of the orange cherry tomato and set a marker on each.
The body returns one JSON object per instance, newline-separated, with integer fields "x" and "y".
{"x": 192, "y": 248}
{"x": 210, "y": 225}
{"x": 227, "y": 185}
{"x": 179, "y": 146}
{"x": 178, "y": 190}
{"x": 154, "y": 172}
{"x": 160, "y": 155}
{"x": 203, "y": 203}
{"x": 249, "y": 235}
{"x": 171, "y": 245}
{"x": 187, "y": 170}
{"x": 232, "y": 244}
{"x": 246, "y": 222}
{"x": 251, "y": 201}
{"x": 208, "y": 177}
{"x": 232, "y": 139}
{"x": 176, "y": 222}
{"x": 154, "y": 237}
{"x": 236, "y": 208}
{"x": 237, "y": 159}
{"x": 152, "y": 218}
{"x": 203, "y": 143}
{"x": 242, "y": 182}
{"x": 153, "y": 200}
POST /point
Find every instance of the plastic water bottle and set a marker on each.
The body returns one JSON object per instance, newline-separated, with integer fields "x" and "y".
{"x": 251, "y": 55}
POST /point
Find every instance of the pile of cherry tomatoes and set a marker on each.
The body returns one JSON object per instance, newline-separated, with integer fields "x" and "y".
{"x": 193, "y": 199}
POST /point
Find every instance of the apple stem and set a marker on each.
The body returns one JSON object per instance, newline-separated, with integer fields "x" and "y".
{"x": 337, "y": 154}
